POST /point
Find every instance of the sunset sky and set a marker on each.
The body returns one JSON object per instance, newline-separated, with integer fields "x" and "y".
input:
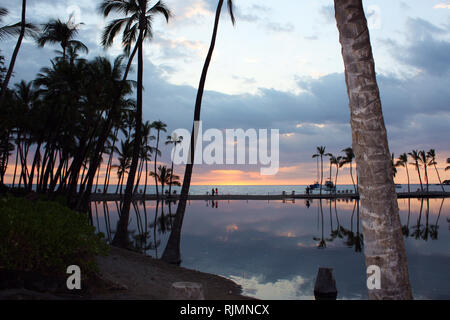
{"x": 279, "y": 67}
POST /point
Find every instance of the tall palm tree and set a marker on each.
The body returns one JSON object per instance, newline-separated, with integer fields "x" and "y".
{"x": 349, "y": 156}
{"x": 403, "y": 162}
{"x": 137, "y": 25}
{"x": 174, "y": 140}
{"x": 62, "y": 33}
{"x": 432, "y": 162}
{"x": 383, "y": 238}
{"x": 25, "y": 29}
{"x": 423, "y": 159}
{"x": 158, "y": 126}
{"x": 415, "y": 156}
{"x": 337, "y": 161}
{"x": 172, "y": 251}
{"x": 320, "y": 153}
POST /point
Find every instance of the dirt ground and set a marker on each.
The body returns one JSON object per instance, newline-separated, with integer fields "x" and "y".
{"x": 131, "y": 275}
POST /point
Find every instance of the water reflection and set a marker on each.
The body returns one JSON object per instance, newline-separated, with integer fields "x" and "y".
{"x": 266, "y": 245}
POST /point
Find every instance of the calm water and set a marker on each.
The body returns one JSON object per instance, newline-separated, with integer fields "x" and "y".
{"x": 273, "y": 249}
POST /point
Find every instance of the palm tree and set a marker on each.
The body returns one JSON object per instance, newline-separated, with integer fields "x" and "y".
{"x": 415, "y": 156}
{"x": 137, "y": 25}
{"x": 63, "y": 33}
{"x": 431, "y": 155}
{"x": 25, "y": 29}
{"x": 448, "y": 162}
{"x": 320, "y": 153}
{"x": 383, "y": 238}
{"x": 174, "y": 140}
{"x": 172, "y": 251}
{"x": 337, "y": 161}
{"x": 158, "y": 126}
{"x": 166, "y": 177}
{"x": 349, "y": 156}
{"x": 423, "y": 159}
{"x": 403, "y": 162}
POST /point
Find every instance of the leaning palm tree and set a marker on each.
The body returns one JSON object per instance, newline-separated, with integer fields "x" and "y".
{"x": 423, "y": 160}
{"x": 432, "y": 162}
{"x": 174, "y": 140}
{"x": 383, "y": 238}
{"x": 320, "y": 153}
{"x": 137, "y": 27}
{"x": 403, "y": 162}
{"x": 62, "y": 33}
{"x": 172, "y": 251}
{"x": 415, "y": 156}
{"x": 21, "y": 29}
{"x": 158, "y": 126}
{"x": 349, "y": 156}
{"x": 337, "y": 161}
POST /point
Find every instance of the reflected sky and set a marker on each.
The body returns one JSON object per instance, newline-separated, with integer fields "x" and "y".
{"x": 274, "y": 249}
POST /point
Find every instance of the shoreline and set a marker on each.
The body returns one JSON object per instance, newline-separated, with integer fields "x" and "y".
{"x": 153, "y": 197}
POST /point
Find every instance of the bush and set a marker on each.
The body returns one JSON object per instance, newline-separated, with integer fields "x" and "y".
{"x": 46, "y": 237}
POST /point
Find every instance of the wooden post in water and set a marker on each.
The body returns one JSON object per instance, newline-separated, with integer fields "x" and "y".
{"x": 325, "y": 287}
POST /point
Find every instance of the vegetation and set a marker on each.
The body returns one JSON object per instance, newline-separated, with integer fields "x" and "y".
{"x": 46, "y": 237}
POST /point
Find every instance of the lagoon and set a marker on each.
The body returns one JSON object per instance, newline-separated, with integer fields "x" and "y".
{"x": 273, "y": 249}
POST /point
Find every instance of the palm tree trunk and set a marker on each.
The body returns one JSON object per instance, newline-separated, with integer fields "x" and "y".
{"x": 156, "y": 156}
{"x": 321, "y": 173}
{"x": 439, "y": 178}
{"x": 407, "y": 175}
{"x": 121, "y": 236}
{"x": 420, "y": 178}
{"x": 172, "y": 251}
{"x": 14, "y": 56}
{"x": 382, "y": 231}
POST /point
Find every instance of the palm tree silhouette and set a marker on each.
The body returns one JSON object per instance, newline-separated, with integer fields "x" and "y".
{"x": 63, "y": 33}
{"x": 423, "y": 159}
{"x": 174, "y": 140}
{"x": 165, "y": 177}
{"x": 320, "y": 153}
{"x": 348, "y": 158}
{"x": 158, "y": 126}
{"x": 431, "y": 155}
{"x": 172, "y": 251}
{"x": 137, "y": 25}
{"x": 21, "y": 29}
{"x": 403, "y": 162}
{"x": 415, "y": 156}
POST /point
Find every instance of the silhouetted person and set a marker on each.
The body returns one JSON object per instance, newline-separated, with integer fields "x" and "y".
{"x": 212, "y": 192}
{"x": 217, "y": 191}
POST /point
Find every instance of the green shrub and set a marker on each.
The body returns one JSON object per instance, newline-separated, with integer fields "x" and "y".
{"x": 46, "y": 237}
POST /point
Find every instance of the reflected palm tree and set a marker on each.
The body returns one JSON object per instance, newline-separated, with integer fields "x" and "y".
{"x": 416, "y": 229}
{"x": 322, "y": 241}
{"x": 350, "y": 240}
{"x": 434, "y": 228}
{"x": 425, "y": 232}
{"x": 338, "y": 232}
{"x": 405, "y": 228}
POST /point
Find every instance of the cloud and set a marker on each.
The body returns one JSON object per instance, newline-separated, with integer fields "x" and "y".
{"x": 442, "y": 6}
{"x": 424, "y": 51}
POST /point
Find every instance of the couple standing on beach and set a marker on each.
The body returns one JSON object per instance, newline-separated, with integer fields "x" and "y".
{"x": 213, "y": 192}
